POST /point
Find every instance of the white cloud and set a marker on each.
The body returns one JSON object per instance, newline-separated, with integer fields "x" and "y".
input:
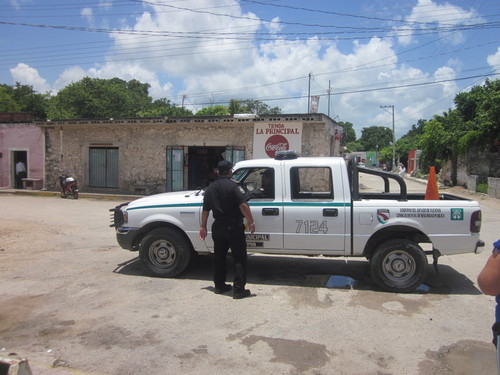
{"x": 494, "y": 60}
{"x": 88, "y": 14}
{"x": 129, "y": 71}
{"x": 17, "y": 4}
{"x": 70, "y": 75}
{"x": 213, "y": 70}
{"x": 191, "y": 43}
{"x": 274, "y": 26}
{"x": 428, "y": 14}
{"x": 27, "y": 75}
{"x": 105, "y": 4}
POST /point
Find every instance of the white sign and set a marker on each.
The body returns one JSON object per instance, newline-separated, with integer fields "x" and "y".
{"x": 269, "y": 137}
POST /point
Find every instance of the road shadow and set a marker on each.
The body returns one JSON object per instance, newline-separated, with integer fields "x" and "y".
{"x": 316, "y": 272}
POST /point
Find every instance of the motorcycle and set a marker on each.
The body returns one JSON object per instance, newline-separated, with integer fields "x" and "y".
{"x": 68, "y": 186}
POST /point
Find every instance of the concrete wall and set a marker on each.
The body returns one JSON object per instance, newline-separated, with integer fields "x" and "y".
{"x": 142, "y": 143}
{"x": 494, "y": 187}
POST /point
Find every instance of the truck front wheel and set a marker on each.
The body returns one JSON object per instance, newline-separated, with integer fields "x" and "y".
{"x": 165, "y": 252}
{"x": 399, "y": 266}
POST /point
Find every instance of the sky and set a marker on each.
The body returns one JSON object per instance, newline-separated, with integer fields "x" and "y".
{"x": 363, "y": 59}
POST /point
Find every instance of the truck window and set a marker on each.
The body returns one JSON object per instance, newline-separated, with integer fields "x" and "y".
{"x": 311, "y": 183}
{"x": 258, "y": 182}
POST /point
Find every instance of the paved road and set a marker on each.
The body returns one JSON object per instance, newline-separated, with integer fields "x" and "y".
{"x": 70, "y": 297}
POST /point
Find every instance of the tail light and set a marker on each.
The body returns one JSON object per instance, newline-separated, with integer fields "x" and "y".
{"x": 475, "y": 222}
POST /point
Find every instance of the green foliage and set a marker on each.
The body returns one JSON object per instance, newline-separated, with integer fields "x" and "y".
{"x": 375, "y": 138}
{"x": 22, "y": 98}
{"x": 216, "y": 110}
{"x": 251, "y": 106}
{"x": 476, "y": 120}
{"x": 482, "y": 188}
{"x": 7, "y": 102}
{"x": 354, "y": 146}
{"x": 110, "y": 98}
{"x": 163, "y": 107}
{"x": 348, "y": 133}
{"x": 385, "y": 155}
{"x": 100, "y": 98}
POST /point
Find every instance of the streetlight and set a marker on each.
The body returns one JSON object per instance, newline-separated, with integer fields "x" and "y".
{"x": 393, "y": 134}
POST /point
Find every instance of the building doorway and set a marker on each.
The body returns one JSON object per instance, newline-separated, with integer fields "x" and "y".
{"x": 202, "y": 164}
{"x": 19, "y": 157}
{"x": 194, "y": 167}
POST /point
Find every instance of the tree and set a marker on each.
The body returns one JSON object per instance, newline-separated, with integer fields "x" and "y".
{"x": 100, "y": 98}
{"x": 163, "y": 107}
{"x": 479, "y": 111}
{"x": 348, "y": 133}
{"x": 251, "y": 106}
{"x": 22, "y": 98}
{"x": 375, "y": 138}
{"x": 354, "y": 146}
{"x": 409, "y": 141}
{"x": 216, "y": 110}
{"x": 7, "y": 102}
{"x": 440, "y": 140}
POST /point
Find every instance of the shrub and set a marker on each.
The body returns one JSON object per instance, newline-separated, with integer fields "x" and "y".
{"x": 482, "y": 188}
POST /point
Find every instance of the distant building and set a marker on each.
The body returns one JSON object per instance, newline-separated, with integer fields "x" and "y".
{"x": 413, "y": 156}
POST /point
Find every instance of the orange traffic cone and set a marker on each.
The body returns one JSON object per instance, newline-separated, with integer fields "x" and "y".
{"x": 431, "y": 193}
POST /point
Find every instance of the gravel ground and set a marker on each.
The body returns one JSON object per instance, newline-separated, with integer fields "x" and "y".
{"x": 73, "y": 302}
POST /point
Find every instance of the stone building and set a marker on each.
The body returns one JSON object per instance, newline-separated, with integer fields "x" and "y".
{"x": 152, "y": 155}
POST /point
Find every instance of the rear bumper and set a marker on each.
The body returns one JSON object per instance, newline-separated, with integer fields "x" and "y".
{"x": 479, "y": 247}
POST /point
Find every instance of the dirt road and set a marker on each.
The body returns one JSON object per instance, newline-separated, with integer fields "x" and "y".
{"x": 73, "y": 301}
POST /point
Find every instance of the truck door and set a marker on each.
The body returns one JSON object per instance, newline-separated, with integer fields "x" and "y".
{"x": 266, "y": 203}
{"x": 314, "y": 218}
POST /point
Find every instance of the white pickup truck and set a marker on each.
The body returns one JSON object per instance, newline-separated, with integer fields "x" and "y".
{"x": 314, "y": 207}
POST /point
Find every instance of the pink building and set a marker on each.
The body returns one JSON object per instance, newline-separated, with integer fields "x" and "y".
{"x": 21, "y": 141}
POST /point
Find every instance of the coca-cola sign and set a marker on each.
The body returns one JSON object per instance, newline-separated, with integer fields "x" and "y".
{"x": 276, "y": 143}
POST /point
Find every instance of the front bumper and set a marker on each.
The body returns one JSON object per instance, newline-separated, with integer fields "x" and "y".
{"x": 126, "y": 238}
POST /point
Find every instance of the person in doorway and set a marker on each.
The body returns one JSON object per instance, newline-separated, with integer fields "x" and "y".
{"x": 489, "y": 283}
{"x": 228, "y": 203}
{"x": 20, "y": 174}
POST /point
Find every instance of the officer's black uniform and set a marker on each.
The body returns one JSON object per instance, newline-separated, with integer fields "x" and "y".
{"x": 224, "y": 197}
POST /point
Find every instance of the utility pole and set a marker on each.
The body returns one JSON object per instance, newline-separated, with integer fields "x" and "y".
{"x": 329, "y": 92}
{"x": 393, "y": 135}
{"x": 309, "y": 95}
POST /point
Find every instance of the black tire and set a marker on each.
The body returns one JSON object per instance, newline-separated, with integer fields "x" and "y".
{"x": 399, "y": 265}
{"x": 74, "y": 191}
{"x": 165, "y": 252}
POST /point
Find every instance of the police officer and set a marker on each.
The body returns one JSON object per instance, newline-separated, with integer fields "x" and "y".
{"x": 228, "y": 203}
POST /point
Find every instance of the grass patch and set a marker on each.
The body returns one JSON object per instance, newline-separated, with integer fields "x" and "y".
{"x": 482, "y": 188}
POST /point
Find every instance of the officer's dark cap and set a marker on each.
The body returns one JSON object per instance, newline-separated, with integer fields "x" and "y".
{"x": 224, "y": 166}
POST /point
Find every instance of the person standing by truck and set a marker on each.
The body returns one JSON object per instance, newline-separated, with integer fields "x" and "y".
{"x": 489, "y": 283}
{"x": 228, "y": 203}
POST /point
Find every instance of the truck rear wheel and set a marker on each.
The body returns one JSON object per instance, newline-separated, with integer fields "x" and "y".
{"x": 399, "y": 266}
{"x": 165, "y": 252}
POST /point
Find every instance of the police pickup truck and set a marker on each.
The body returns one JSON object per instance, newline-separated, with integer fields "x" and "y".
{"x": 311, "y": 206}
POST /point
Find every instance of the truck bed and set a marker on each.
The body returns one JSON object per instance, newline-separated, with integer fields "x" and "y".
{"x": 401, "y": 195}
